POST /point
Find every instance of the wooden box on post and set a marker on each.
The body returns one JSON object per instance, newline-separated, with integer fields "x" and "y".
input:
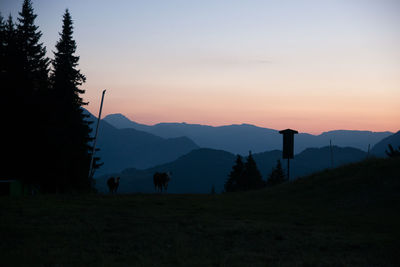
{"x": 288, "y": 143}
{"x": 288, "y": 147}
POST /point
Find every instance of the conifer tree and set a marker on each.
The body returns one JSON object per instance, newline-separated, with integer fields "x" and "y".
{"x": 2, "y": 46}
{"x": 251, "y": 178}
{"x": 277, "y": 176}
{"x": 8, "y": 75}
{"x": 34, "y": 62}
{"x": 24, "y": 76}
{"x": 10, "y": 57}
{"x": 72, "y": 127}
{"x": 11, "y": 68}
{"x": 231, "y": 184}
{"x": 31, "y": 86}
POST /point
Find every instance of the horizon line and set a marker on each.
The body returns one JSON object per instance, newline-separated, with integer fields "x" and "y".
{"x": 244, "y": 123}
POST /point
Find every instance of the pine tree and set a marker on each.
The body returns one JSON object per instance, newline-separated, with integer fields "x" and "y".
{"x": 24, "y": 76}
{"x": 29, "y": 74}
{"x": 34, "y": 62}
{"x": 12, "y": 105}
{"x": 72, "y": 127}
{"x": 8, "y": 78}
{"x": 251, "y": 178}
{"x": 2, "y": 46}
{"x": 277, "y": 176}
{"x": 235, "y": 175}
{"x": 11, "y": 59}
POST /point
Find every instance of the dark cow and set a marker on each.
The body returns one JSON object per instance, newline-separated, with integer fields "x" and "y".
{"x": 113, "y": 184}
{"x": 161, "y": 180}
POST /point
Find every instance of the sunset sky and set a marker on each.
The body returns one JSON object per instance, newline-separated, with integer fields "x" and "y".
{"x": 312, "y": 66}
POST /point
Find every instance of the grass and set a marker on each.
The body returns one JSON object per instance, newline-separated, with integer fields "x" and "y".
{"x": 343, "y": 217}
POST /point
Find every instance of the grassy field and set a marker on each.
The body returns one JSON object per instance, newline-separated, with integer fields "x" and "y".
{"x": 349, "y": 216}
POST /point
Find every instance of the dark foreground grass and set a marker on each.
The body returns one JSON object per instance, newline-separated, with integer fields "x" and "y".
{"x": 345, "y": 217}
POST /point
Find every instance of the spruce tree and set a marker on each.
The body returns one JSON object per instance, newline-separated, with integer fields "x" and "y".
{"x": 251, "y": 178}
{"x": 72, "y": 126}
{"x": 11, "y": 59}
{"x": 277, "y": 176}
{"x": 231, "y": 184}
{"x": 30, "y": 82}
{"x": 3, "y": 63}
{"x": 2, "y": 46}
{"x": 8, "y": 74}
{"x": 34, "y": 62}
{"x": 12, "y": 105}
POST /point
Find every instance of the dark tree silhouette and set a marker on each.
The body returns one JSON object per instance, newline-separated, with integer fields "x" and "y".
{"x": 34, "y": 62}
{"x": 244, "y": 176}
{"x": 72, "y": 126}
{"x": 47, "y": 140}
{"x": 10, "y": 59}
{"x": 393, "y": 153}
{"x": 251, "y": 178}
{"x": 231, "y": 184}
{"x": 277, "y": 176}
{"x": 33, "y": 85}
{"x": 9, "y": 83}
{"x": 25, "y": 77}
{"x": 2, "y": 45}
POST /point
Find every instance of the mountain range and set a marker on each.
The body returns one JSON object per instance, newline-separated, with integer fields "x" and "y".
{"x": 123, "y": 148}
{"x": 380, "y": 148}
{"x": 239, "y": 139}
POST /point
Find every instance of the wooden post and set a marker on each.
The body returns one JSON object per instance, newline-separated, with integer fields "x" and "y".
{"x": 91, "y": 172}
{"x": 330, "y": 146}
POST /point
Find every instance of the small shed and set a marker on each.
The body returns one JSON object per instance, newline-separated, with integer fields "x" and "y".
{"x": 13, "y": 187}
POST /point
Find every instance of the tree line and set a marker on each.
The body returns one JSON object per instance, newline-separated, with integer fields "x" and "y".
{"x": 246, "y": 176}
{"x": 46, "y": 134}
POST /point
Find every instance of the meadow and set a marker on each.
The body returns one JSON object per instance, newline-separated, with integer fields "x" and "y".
{"x": 347, "y": 216}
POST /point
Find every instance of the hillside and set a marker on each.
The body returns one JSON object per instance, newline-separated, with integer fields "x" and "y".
{"x": 195, "y": 172}
{"x": 239, "y": 139}
{"x": 380, "y": 148}
{"x": 122, "y": 148}
{"x": 199, "y": 170}
{"x": 342, "y": 217}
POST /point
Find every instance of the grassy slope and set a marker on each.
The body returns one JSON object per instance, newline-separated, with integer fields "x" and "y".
{"x": 345, "y": 217}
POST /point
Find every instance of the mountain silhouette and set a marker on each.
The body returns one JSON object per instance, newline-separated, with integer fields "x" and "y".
{"x": 122, "y": 148}
{"x": 201, "y": 169}
{"x": 380, "y": 147}
{"x": 239, "y": 139}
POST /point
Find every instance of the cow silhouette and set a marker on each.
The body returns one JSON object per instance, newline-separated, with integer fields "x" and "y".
{"x": 113, "y": 183}
{"x": 161, "y": 180}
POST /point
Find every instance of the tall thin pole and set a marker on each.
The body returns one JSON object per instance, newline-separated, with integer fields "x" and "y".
{"x": 288, "y": 169}
{"x": 330, "y": 146}
{"x": 95, "y": 136}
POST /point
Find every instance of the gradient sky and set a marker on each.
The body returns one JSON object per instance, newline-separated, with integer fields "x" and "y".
{"x": 308, "y": 65}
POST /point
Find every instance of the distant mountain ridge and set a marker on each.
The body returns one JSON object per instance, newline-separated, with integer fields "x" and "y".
{"x": 239, "y": 139}
{"x": 200, "y": 169}
{"x": 122, "y": 148}
{"x": 380, "y": 148}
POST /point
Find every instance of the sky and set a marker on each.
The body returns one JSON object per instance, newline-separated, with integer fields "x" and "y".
{"x": 309, "y": 65}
